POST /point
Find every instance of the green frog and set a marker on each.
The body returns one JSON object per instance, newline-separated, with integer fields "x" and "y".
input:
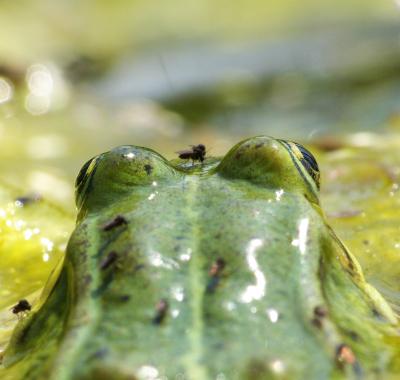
{"x": 222, "y": 269}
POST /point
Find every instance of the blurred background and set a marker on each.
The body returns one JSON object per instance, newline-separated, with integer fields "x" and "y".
{"x": 77, "y": 78}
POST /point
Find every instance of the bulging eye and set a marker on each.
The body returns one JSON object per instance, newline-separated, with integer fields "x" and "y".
{"x": 81, "y": 182}
{"x": 82, "y": 173}
{"x": 307, "y": 160}
{"x": 121, "y": 173}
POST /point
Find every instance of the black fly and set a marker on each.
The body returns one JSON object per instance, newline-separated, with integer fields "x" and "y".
{"x": 21, "y": 307}
{"x": 198, "y": 152}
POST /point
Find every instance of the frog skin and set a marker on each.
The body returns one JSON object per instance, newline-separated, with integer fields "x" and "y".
{"x": 225, "y": 269}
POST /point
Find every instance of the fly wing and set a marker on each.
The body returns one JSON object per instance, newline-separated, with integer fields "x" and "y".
{"x": 186, "y": 151}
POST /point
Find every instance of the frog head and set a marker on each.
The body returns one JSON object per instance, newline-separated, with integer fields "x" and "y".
{"x": 264, "y": 161}
{"x": 273, "y": 163}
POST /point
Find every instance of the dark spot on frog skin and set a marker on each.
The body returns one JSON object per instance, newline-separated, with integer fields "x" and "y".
{"x": 148, "y": 168}
{"x": 217, "y": 267}
{"x": 320, "y": 312}
{"x": 316, "y": 322}
{"x": 161, "y": 311}
{"x": 111, "y": 239}
{"x": 259, "y": 145}
{"x": 366, "y": 242}
{"x": 215, "y": 275}
{"x": 138, "y": 267}
{"x": 99, "y": 354}
{"x": 257, "y": 369}
{"x": 104, "y": 286}
{"x": 119, "y": 220}
{"x": 353, "y": 336}
{"x": 27, "y": 199}
{"x": 109, "y": 260}
{"x": 125, "y": 298}
{"x": 377, "y": 314}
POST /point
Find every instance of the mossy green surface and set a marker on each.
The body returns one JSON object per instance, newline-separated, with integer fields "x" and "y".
{"x": 33, "y": 237}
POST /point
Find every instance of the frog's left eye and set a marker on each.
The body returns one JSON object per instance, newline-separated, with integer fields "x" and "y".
{"x": 124, "y": 172}
{"x": 307, "y": 160}
{"x": 84, "y": 174}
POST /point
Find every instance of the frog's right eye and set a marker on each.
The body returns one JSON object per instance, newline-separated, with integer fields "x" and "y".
{"x": 306, "y": 159}
{"x": 269, "y": 162}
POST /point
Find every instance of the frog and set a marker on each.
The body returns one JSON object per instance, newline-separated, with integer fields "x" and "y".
{"x": 222, "y": 269}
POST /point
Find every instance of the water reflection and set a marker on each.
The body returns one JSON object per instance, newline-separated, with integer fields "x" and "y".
{"x": 37, "y": 105}
{"x": 278, "y": 194}
{"x": 151, "y": 196}
{"x": 6, "y": 90}
{"x": 186, "y": 256}
{"x": 47, "y": 89}
{"x": 147, "y": 372}
{"x": 277, "y": 366}
{"x": 130, "y": 155}
{"x": 257, "y": 291}
{"x": 40, "y": 84}
{"x": 157, "y": 260}
{"x": 301, "y": 240}
{"x": 178, "y": 293}
{"x": 40, "y": 80}
{"x": 273, "y": 315}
